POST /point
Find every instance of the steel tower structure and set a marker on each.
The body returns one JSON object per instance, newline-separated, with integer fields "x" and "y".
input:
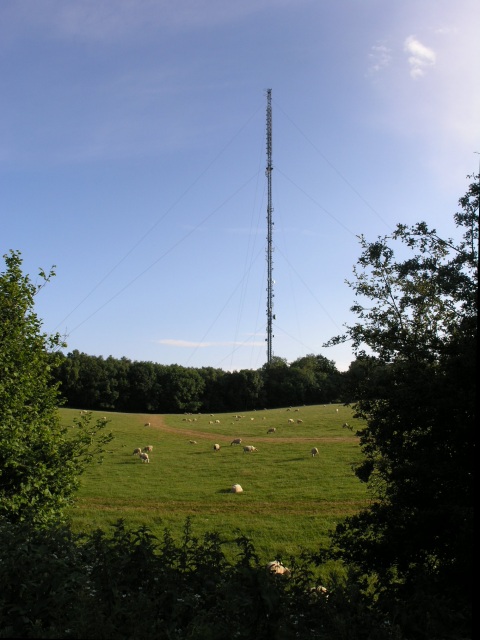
{"x": 268, "y": 173}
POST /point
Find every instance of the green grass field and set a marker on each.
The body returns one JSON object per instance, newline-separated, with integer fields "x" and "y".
{"x": 290, "y": 499}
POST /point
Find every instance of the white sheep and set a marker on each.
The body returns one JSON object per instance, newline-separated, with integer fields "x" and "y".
{"x": 136, "y": 451}
{"x": 236, "y": 488}
{"x": 144, "y": 457}
{"x": 147, "y": 424}
{"x": 148, "y": 449}
{"x": 249, "y": 449}
{"x": 299, "y": 421}
{"x": 291, "y": 420}
{"x": 271, "y": 430}
{"x": 277, "y": 568}
{"x": 314, "y": 451}
{"x": 236, "y": 441}
{"x": 193, "y": 441}
{"x": 216, "y": 447}
{"x": 217, "y": 421}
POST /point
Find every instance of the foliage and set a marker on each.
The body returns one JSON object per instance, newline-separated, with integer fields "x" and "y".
{"x": 39, "y": 460}
{"x": 121, "y": 385}
{"x": 128, "y": 584}
{"x": 418, "y": 318}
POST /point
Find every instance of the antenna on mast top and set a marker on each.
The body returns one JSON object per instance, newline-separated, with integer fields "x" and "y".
{"x": 268, "y": 173}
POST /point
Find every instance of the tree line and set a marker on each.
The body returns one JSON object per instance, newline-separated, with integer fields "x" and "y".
{"x": 123, "y": 385}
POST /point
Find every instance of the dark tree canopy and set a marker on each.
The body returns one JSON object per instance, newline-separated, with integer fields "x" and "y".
{"x": 417, "y": 394}
{"x": 40, "y": 460}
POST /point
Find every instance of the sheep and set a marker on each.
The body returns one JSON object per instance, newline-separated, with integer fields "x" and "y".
{"x": 193, "y": 441}
{"x": 272, "y": 430}
{"x": 236, "y": 441}
{"x": 291, "y": 420}
{"x": 144, "y": 457}
{"x": 216, "y": 447}
{"x": 277, "y": 568}
{"x": 318, "y": 592}
{"x": 299, "y": 421}
{"x": 249, "y": 449}
{"x": 136, "y": 451}
{"x": 148, "y": 449}
{"x": 314, "y": 451}
{"x": 217, "y": 421}
{"x": 147, "y": 424}
{"x": 236, "y": 488}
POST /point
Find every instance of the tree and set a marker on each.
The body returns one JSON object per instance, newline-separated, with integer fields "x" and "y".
{"x": 322, "y": 382}
{"x": 181, "y": 389}
{"x": 418, "y": 319}
{"x": 40, "y": 460}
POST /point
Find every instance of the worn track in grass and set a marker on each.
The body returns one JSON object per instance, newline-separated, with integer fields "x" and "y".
{"x": 157, "y": 423}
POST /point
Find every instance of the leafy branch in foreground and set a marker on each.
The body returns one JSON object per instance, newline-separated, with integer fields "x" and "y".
{"x": 40, "y": 460}
{"x": 418, "y": 319}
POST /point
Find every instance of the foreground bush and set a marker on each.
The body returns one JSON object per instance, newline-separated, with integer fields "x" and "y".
{"x": 128, "y": 585}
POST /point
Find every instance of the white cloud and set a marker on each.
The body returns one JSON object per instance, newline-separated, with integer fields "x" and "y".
{"x": 420, "y": 56}
{"x": 379, "y": 58}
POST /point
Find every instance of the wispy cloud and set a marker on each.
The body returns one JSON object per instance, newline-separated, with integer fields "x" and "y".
{"x": 171, "y": 342}
{"x": 109, "y": 20}
{"x": 379, "y": 58}
{"x": 420, "y": 57}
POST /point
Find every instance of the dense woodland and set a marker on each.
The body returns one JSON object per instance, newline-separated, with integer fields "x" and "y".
{"x": 404, "y": 564}
{"x": 142, "y": 387}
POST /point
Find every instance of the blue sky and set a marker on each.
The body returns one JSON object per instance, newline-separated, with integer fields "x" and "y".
{"x": 133, "y": 154}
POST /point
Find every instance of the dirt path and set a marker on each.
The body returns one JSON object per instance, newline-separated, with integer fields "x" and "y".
{"x": 157, "y": 423}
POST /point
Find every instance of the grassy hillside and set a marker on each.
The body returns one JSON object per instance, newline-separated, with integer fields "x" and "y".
{"x": 290, "y": 499}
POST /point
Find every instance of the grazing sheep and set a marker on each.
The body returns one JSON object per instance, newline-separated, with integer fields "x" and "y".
{"x": 272, "y": 430}
{"x": 216, "y": 447}
{"x": 136, "y": 451}
{"x": 217, "y": 421}
{"x": 299, "y": 421}
{"x": 236, "y": 441}
{"x": 249, "y": 449}
{"x": 314, "y": 451}
{"x": 148, "y": 449}
{"x": 277, "y": 568}
{"x": 193, "y": 441}
{"x": 236, "y": 488}
{"x": 144, "y": 457}
{"x": 291, "y": 420}
{"x": 147, "y": 424}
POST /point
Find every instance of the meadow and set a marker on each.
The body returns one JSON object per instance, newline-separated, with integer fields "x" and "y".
{"x": 290, "y": 500}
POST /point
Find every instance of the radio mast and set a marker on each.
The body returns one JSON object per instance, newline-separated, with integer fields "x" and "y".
{"x": 268, "y": 173}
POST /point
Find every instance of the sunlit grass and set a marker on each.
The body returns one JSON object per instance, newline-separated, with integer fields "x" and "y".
{"x": 290, "y": 499}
